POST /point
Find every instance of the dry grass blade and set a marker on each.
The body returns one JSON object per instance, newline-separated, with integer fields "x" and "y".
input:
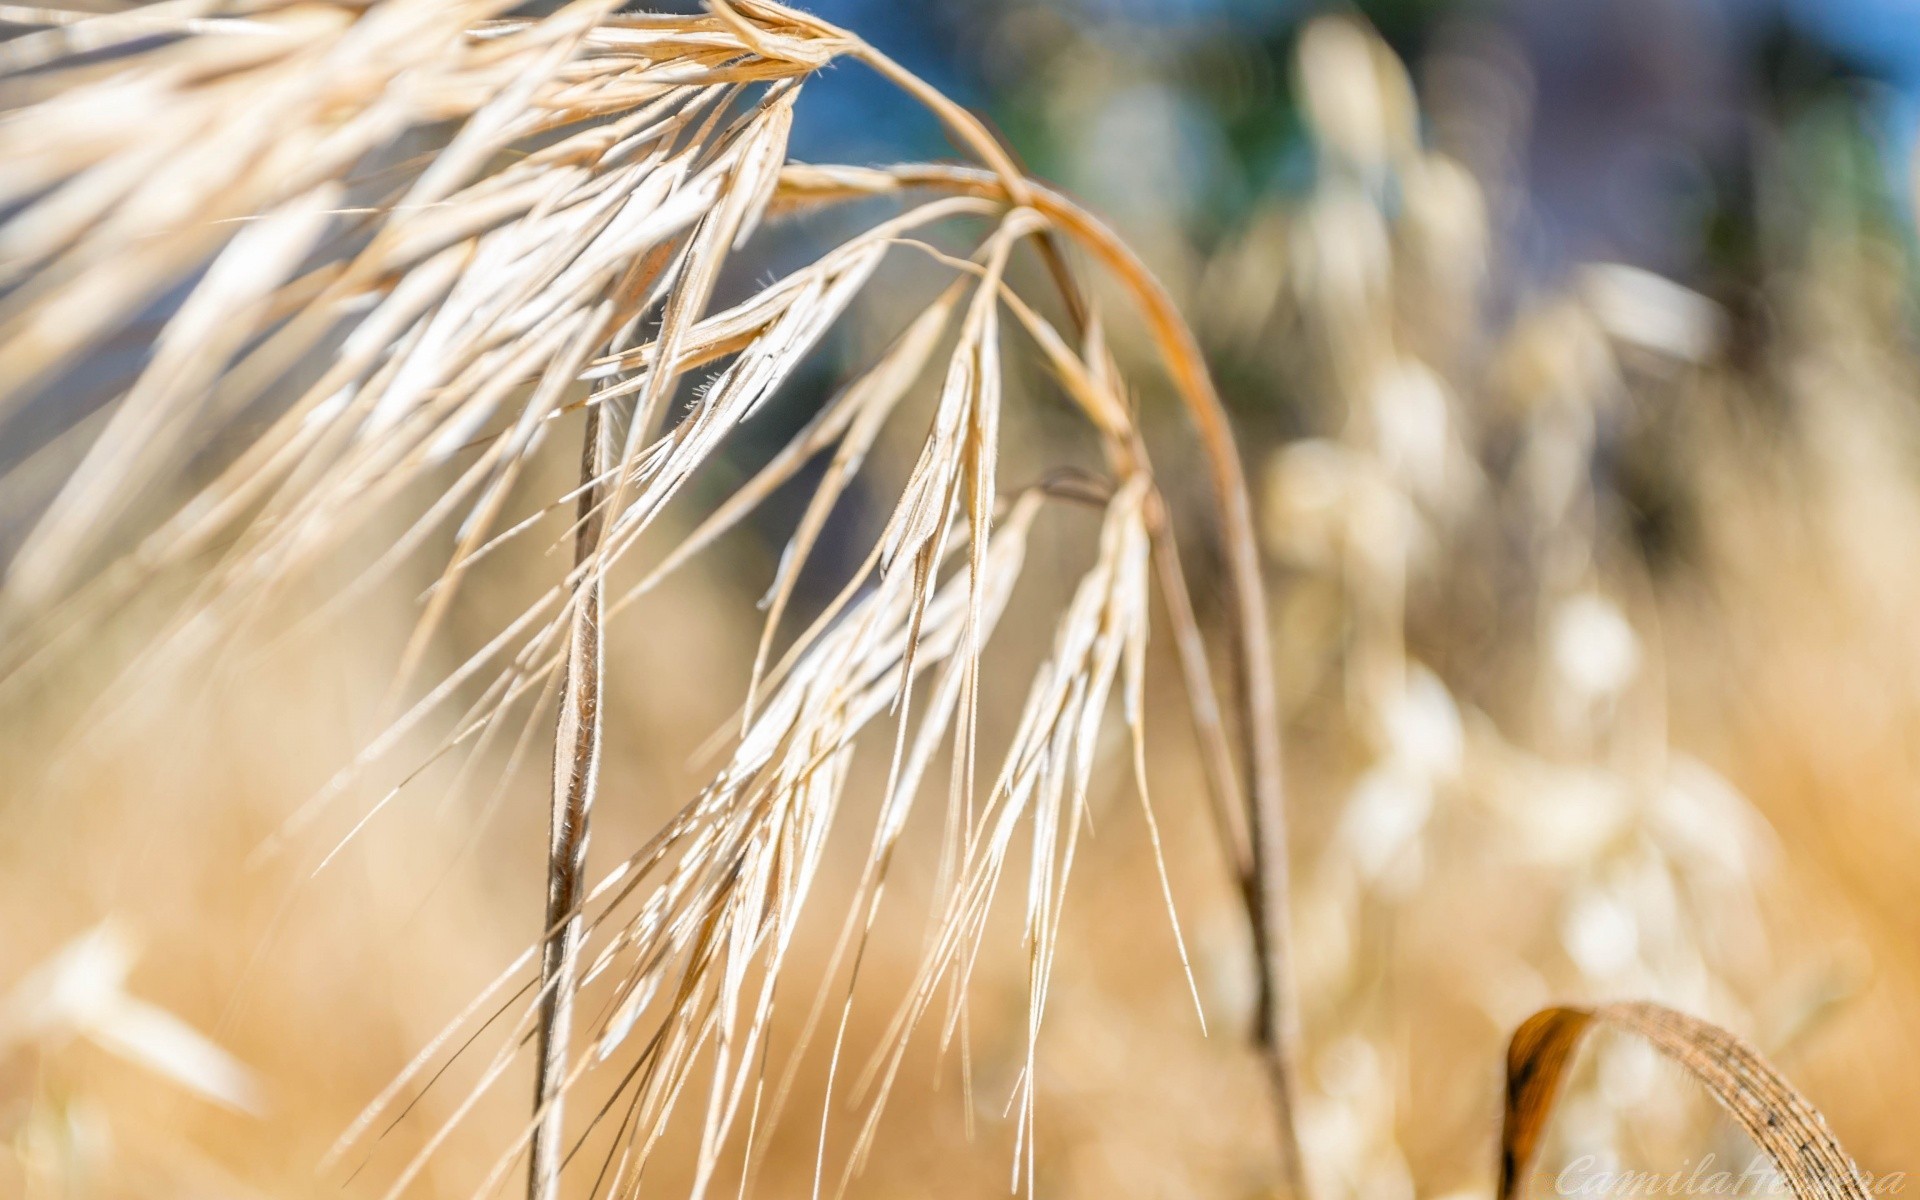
{"x": 1778, "y": 1119}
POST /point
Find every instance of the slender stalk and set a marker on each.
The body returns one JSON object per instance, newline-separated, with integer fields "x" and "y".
{"x": 1252, "y": 654}
{"x": 1252, "y": 650}
{"x": 576, "y": 770}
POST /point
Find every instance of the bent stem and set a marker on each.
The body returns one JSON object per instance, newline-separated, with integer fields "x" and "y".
{"x": 1267, "y": 888}
{"x": 576, "y": 770}
{"x": 1252, "y": 651}
{"x": 1252, "y": 648}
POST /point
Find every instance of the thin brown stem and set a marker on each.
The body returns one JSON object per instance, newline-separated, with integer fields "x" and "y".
{"x": 1252, "y": 653}
{"x": 1252, "y": 650}
{"x": 576, "y": 770}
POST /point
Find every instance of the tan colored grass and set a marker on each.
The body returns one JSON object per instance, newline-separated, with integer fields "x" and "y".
{"x": 574, "y": 227}
{"x": 412, "y": 237}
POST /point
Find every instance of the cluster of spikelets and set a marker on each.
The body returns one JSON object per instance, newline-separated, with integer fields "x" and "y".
{"x": 400, "y": 243}
{"x": 1458, "y": 488}
{"x": 1446, "y": 467}
{"x": 438, "y": 304}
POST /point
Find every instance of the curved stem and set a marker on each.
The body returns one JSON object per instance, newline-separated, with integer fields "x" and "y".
{"x": 964, "y": 125}
{"x": 1252, "y": 650}
{"x": 1253, "y": 654}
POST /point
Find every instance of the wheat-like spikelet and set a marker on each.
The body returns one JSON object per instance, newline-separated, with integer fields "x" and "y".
{"x": 407, "y": 236}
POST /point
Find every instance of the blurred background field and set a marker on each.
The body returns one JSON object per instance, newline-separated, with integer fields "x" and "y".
{"x": 1572, "y": 344}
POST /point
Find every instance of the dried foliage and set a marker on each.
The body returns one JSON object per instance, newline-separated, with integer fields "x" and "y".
{"x": 369, "y": 253}
{"x": 1777, "y": 1118}
{"x": 445, "y": 307}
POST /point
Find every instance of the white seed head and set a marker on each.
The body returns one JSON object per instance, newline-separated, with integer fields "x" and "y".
{"x": 1356, "y": 94}
{"x": 1592, "y": 647}
{"x": 1601, "y": 934}
{"x": 1653, "y": 312}
{"x": 1412, "y": 428}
